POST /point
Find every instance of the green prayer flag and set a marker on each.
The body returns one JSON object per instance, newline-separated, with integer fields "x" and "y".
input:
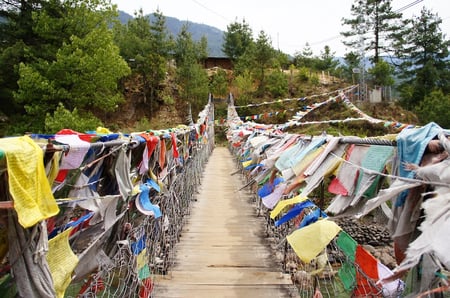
{"x": 347, "y": 244}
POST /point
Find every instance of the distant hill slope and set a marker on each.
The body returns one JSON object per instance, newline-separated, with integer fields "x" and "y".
{"x": 174, "y": 25}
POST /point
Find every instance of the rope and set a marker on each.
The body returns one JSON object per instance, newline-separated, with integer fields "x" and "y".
{"x": 411, "y": 180}
{"x": 296, "y": 99}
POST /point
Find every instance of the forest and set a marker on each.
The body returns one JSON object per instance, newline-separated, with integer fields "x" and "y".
{"x": 72, "y": 64}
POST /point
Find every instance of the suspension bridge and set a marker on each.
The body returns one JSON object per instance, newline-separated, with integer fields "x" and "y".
{"x": 168, "y": 214}
{"x": 222, "y": 250}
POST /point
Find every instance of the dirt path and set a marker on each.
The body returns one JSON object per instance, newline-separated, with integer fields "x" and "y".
{"x": 222, "y": 252}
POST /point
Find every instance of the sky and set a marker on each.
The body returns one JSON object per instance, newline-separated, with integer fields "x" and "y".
{"x": 289, "y": 23}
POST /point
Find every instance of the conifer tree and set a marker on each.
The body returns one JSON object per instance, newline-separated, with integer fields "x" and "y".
{"x": 371, "y": 26}
{"x": 424, "y": 53}
{"x": 237, "y": 39}
{"x": 73, "y": 60}
{"x": 191, "y": 77}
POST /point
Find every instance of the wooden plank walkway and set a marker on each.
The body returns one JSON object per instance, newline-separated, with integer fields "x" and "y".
{"x": 222, "y": 252}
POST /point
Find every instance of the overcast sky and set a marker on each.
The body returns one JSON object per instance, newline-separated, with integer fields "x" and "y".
{"x": 289, "y": 23}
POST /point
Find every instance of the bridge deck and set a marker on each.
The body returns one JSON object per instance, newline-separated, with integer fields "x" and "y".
{"x": 222, "y": 252}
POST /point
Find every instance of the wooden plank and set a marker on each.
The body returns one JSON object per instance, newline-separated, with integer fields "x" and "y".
{"x": 226, "y": 275}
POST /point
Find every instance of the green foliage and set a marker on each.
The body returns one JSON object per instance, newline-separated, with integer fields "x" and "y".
{"x": 303, "y": 74}
{"x": 352, "y": 61}
{"x": 67, "y": 55}
{"x": 259, "y": 56}
{"x": 244, "y": 85}
{"x": 186, "y": 51}
{"x": 219, "y": 83}
{"x": 168, "y": 99}
{"x": 237, "y": 39}
{"x": 326, "y": 61}
{"x": 264, "y": 58}
{"x": 375, "y": 17}
{"x": 381, "y": 74}
{"x": 282, "y": 59}
{"x": 245, "y": 61}
{"x": 195, "y": 88}
{"x": 315, "y": 81}
{"x": 425, "y": 65}
{"x": 191, "y": 77}
{"x": 63, "y": 118}
{"x": 143, "y": 124}
{"x": 435, "y": 108}
{"x": 146, "y": 46}
{"x": 84, "y": 75}
{"x": 18, "y": 43}
{"x": 277, "y": 84}
{"x": 304, "y": 58}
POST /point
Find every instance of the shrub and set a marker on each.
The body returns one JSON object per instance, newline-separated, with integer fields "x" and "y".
{"x": 63, "y": 118}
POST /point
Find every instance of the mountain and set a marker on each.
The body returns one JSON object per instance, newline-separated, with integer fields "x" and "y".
{"x": 124, "y": 17}
{"x": 174, "y": 25}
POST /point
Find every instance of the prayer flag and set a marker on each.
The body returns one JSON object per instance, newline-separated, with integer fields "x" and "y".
{"x": 309, "y": 241}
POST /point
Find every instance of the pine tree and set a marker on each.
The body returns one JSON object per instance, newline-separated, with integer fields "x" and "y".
{"x": 264, "y": 58}
{"x": 326, "y": 61}
{"x": 145, "y": 43}
{"x": 237, "y": 39}
{"x": 191, "y": 77}
{"x": 424, "y": 52}
{"x": 160, "y": 47}
{"x": 18, "y": 44}
{"x": 74, "y": 62}
{"x": 371, "y": 26}
{"x": 351, "y": 62}
{"x": 305, "y": 57}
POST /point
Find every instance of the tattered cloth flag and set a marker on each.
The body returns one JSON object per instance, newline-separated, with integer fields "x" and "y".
{"x": 61, "y": 261}
{"x": 28, "y": 184}
{"x": 362, "y": 271}
{"x": 309, "y": 241}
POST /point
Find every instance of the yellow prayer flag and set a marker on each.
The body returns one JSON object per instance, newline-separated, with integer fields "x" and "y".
{"x": 284, "y": 203}
{"x": 303, "y": 164}
{"x": 53, "y": 167}
{"x": 141, "y": 259}
{"x": 246, "y": 163}
{"x": 61, "y": 261}
{"x": 103, "y": 130}
{"x": 28, "y": 184}
{"x": 309, "y": 241}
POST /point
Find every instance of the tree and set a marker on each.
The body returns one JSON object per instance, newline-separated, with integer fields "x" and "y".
{"x": 352, "y": 61}
{"x": 381, "y": 74}
{"x": 264, "y": 58}
{"x": 326, "y": 61}
{"x": 277, "y": 83}
{"x": 187, "y": 51}
{"x": 245, "y": 61}
{"x": 160, "y": 47}
{"x": 237, "y": 39}
{"x": 86, "y": 67}
{"x": 424, "y": 51}
{"x": 134, "y": 40}
{"x": 435, "y": 107}
{"x": 371, "y": 26}
{"x": 18, "y": 44}
{"x": 305, "y": 57}
{"x": 219, "y": 83}
{"x": 282, "y": 59}
{"x": 145, "y": 44}
{"x": 191, "y": 77}
{"x": 63, "y": 118}
{"x": 244, "y": 87}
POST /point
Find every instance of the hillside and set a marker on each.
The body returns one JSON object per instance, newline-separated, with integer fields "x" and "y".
{"x": 136, "y": 115}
